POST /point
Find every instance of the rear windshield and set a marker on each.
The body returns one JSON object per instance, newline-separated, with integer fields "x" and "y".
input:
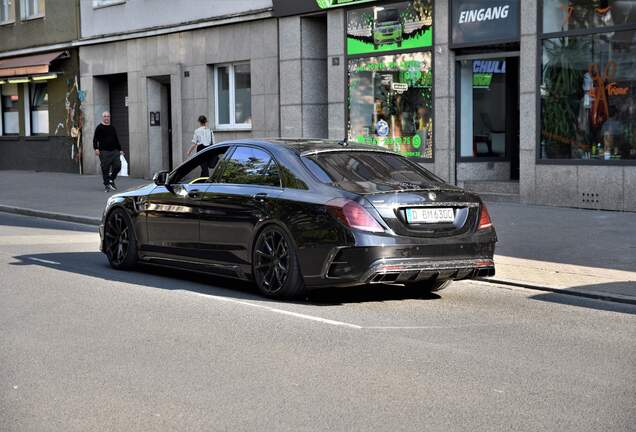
{"x": 369, "y": 172}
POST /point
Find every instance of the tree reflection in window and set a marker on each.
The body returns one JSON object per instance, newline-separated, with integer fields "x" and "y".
{"x": 251, "y": 166}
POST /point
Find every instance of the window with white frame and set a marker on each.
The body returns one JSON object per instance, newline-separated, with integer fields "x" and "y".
{"x": 31, "y": 9}
{"x": 39, "y": 106}
{"x": 7, "y": 11}
{"x": 233, "y": 96}
{"x": 105, "y": 3}
{"x": 9, "y": 108}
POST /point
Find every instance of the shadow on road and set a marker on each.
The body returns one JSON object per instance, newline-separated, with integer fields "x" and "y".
{"x": 94, "y": 264}
{"x": 584, "y": 302}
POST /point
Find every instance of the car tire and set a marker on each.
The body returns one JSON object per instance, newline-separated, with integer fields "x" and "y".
{"x": 120, "y": 241}
{"x": 275, "y": 264}
{"x": 431, "y": 285}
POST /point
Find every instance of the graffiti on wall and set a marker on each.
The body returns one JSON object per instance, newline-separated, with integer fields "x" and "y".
{"x": 74, "y": 119}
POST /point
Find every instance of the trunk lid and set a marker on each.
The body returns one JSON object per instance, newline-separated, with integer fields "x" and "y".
{"x": 430, "y": 212}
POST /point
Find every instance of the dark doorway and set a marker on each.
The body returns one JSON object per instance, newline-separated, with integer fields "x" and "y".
{"x": 118, "y": 95}
{"x": 169, "y": 122}
{"x": 488, "y": 111}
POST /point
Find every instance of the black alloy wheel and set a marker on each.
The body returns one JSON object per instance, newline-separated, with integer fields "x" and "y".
{"x": 275, "y": 264}
{"x": 120, "y": 244}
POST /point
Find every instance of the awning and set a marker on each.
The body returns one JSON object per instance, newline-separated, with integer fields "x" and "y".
{"x": 29, "y": 65}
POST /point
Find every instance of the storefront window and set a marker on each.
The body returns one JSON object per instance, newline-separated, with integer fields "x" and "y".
{"x": 393, "y": 26}
{"x": 567, "y": 15}
{"x": 588, "y": 97}
{"x": 39, "y": 108}
{"x": 10, "y": 112}
{"x": 391, "y": 104}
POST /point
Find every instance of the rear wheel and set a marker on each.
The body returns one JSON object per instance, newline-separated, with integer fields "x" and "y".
{"x": 120, "y": 244}
{"x": 430, "y": 286}
{"x": 275, "y": 264}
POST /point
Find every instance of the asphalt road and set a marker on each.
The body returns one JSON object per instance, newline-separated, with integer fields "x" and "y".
{"x": 87, "y": 348}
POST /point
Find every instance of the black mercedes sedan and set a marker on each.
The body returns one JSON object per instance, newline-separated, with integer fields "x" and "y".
{"x": 297, "y": 214}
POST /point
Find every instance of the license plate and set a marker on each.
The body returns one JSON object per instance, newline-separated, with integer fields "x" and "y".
{"x": 430, "y": 215}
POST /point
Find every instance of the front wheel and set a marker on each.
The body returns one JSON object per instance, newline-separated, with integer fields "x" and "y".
{"x": 120, "y": 243}
{"x": 275, "y": 264}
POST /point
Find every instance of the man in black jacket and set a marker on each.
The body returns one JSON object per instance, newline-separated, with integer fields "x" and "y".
{"x": 107, "y": 147}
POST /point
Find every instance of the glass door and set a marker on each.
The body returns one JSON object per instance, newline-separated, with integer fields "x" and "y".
{"x": 488, "y": 111}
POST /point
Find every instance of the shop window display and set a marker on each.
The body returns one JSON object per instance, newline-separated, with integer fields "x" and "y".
{"x": 392, "y": 26}
{"x": 568, "y": 15}
{"x": 588, "y": 97}
{"x": 390, "y": 103}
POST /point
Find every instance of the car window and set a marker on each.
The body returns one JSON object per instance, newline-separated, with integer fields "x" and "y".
{"x": 249, "y": 165}
{"x": 369, "y": 172}
{"x": 199, "y": 169}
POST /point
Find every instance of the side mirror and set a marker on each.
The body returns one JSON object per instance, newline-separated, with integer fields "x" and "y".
{"x": 160, "y": 178}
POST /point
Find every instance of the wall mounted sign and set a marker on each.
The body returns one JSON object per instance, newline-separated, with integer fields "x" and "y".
{"x": 297, "y": 7}
{"x": 155, "y": 118}
{"x": 390, "y": 27}
{"x": 479, "y": 22}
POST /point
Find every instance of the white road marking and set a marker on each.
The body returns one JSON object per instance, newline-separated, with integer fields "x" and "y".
{"x": 44, "y": 261}
{"x": 281, "y": 311}
{"x": 433, "y": 327}
{"x": 24, "y": 240}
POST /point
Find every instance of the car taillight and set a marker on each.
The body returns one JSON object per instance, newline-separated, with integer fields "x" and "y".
{"x": 484, "y": 218}
{"x": 353, "y": 215}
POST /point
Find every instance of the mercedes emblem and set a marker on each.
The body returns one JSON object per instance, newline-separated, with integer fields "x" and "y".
{"x": 432, "y": 196}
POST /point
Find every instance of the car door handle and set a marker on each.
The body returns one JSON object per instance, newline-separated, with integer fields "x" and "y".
{"x": 260, "y": 196}
{"x": 194, "y": 193}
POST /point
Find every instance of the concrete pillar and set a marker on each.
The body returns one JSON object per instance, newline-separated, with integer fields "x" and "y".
{"x": 444, "y": 95}
{"x": 336, "y": 78}
{"x": 303, "y": 77}
{"x": 290, "y": 77}
{"x": 528, "y": 77}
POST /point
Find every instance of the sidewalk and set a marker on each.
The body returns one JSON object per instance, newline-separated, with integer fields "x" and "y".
{"x": 583, "y": 252}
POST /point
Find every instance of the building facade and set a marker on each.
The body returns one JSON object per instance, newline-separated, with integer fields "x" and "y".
{"x": 526, "y": 100}
{"x": 158, "y": 70}
{"x": 40, "y": 115}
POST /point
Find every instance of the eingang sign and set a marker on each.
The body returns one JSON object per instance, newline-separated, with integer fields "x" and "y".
{"x": 478, "y": 22}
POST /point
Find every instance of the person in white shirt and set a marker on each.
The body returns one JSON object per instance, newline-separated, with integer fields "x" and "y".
{"x": 203, "y": 138}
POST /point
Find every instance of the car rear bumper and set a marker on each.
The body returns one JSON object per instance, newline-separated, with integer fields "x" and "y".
{"x": 359, "y": 265}
{"x": 415, "y": 270}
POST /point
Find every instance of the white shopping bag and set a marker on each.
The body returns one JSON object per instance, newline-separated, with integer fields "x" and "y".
{"x": 124, "y": 166}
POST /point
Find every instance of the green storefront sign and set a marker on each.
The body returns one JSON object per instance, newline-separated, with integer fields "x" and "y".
{"x": 327, "y": 4}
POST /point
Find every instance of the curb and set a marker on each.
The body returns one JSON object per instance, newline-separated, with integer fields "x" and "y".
{"x": 615, "y": 298}
{"x": 50, "y": 215}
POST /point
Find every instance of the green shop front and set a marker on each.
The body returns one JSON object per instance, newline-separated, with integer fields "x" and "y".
{"x": 388, "y": 70}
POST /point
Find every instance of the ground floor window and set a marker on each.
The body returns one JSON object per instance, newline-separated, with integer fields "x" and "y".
{"x": 7, "y": 11}
{"x": 588, "y": 97}
{"x": 233, "y": 96}
{"x": 391, "y": 103}
{"x": 32, "y": 8}
{"x": 10, "y": 112}
{"x": 39, "y": 103}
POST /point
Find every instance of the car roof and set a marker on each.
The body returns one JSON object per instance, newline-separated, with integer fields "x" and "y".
{"x": 309, "y": 146}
